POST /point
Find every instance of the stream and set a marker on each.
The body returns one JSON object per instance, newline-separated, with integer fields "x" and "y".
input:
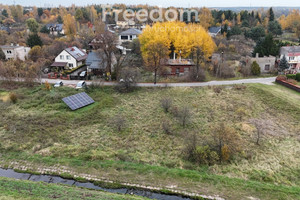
{"x": 9, "y": 173}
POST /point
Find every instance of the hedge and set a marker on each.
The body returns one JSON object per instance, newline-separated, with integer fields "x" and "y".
{"x": 298, "y": 77}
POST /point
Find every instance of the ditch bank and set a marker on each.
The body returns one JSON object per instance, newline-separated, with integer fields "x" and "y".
{"x": 116, "y": 188}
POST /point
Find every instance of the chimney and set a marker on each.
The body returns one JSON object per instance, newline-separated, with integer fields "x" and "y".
{"x": 256, "y": 56}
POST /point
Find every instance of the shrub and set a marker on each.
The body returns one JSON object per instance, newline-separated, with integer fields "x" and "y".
{"x": 13, "y": 98}
{"x": 166, "y": 103}
{"x": 119, "y": 122}
{"x": 291, "y": 76}
{"x": 166, "y": 126}
{"x": 193, "y": 75}
{"x": 128, "y": 79}
{"x": 47, "y": 86}
{"x": 184, "y": 115}
{"x": 292, "y": 81}
{"x": 281, "y": 78}
{"x": 298, "y": 77}
{"x": 204, "y": 155}
{"x": 255, "y": 69}
{"x": 217, "y": 89}
{"x": 226, "y": 71}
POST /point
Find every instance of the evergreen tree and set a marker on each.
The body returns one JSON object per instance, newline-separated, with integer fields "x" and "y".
{"x": 271, "y": 15}
{"x": 266, "y": 47}
{"x": 60, "y": 20}
{"x": 255, "y": 69}
{"x": 5, "y": 13}
{"x": 283, "y": 65}
{"x": 44, "y": 29}
{"x": 40, "y": 11}
{"x": 275, "y": 28}
{"x": 34, "y": 40}
{"x": 2, "y": 55}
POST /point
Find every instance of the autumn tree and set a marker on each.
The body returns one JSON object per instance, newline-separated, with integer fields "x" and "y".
{"x": 35, "y": 53}
{"x": 69, "y": 25}
{"x": 205, "y": 18}
{"x": 176, "y": 37}
{"x": 227, "y": 141}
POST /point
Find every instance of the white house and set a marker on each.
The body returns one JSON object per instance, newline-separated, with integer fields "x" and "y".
{"x": 292, "y": 54}
{"x": 70, "y": 58}
{"x": 129, "y": 35}
{"x": 15, "y": 52}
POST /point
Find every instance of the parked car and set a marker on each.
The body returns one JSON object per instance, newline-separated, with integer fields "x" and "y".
{"x": 82, "y": 74}
{"x": 58, "y": 84}
{"x": 81, "y": 85}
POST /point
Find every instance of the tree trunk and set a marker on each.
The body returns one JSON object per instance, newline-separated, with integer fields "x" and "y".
{"x": 155, "y": 75}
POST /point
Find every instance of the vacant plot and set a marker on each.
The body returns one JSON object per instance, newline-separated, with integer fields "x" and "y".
{"x": 40, "y": 131}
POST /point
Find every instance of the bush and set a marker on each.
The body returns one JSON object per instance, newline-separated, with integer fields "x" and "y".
{"x": 166, "y": 126}
{"x": 292, "y": 81}
{"x": 291, "y": 76}
{"x": 13, "y": 98}
{"x": 255, "y": 69}
{"x": 128, "y": 79}
{"x": 203, "y": 155}
{"x": 226, "y": 71}
{"x": 119, "y": 122}
{"x": 166, "y": 103}
{"x": 194, "y": 76}
{"x": 298, "y": 77}
{"x": 184, "y": 115}
{"x": 281, "y": 78}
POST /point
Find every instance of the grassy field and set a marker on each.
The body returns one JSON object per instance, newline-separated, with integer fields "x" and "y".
{"x": 40, "y": 131}
{"x": 19, "y": 189}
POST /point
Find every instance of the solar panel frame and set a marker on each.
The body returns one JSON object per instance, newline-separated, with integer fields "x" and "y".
{"x": 77, "y": 101}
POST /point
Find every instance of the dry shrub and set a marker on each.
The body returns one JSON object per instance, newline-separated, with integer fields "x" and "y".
{"x": 281, "y": 78}
{"x": 239, "y": 87}
{"x": 47, "y": 86}
{"x": 119, "y": 122}
{"x": 292, "y": 81}
{"x": 166, "y": 103}
{"x": 166, "y": 126}
{"x": 195, "y": 75}
{"x": 184, "y": 115}
{"x": 217, "y": 89}
{"x": 13, "y": 97}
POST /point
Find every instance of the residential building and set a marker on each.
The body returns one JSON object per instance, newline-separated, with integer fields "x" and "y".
{"x": 214, "y": 31}
{"x": 70, "y": 58}
{"x": 56, "y": 29}
{"x": 267, "y": 64}
{"x": 5, "y": 28}
{"x": 95, "y": 64}
{"x": 15, "y": 52}
{"x": 292, "y": 54}
{"x": 179, "y": 67}
{"x": 129, "y": 35}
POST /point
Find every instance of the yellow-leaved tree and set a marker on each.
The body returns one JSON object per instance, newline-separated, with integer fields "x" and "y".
{"x": 186, "y": 40}
{"x": 69, "y": 25}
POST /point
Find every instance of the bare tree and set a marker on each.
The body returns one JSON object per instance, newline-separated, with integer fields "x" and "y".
{"x": 107, "y": 42}
{"x": 128, "y": 79}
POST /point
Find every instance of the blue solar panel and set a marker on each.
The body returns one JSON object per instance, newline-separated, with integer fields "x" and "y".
{"x": 78, "y": 101}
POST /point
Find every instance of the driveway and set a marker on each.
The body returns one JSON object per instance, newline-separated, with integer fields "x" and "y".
{"x": 267, "y": 81}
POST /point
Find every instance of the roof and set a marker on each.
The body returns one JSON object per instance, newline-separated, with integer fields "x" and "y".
{"x": 59, "y": 27}
{"x": 131, "y": 31}
{"x": 11, "y": 47}
{"x": 94, "y": 61}
{"x": 288, "y": 50}
{"x": 180, "y": 62}
{"x": 76, "y": 53}
{"x": 214, "y": 29}
{"x": 4, "y": 28}
{"x": 59, "y": 64}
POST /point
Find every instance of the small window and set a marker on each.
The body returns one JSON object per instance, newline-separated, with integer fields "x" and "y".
{"x": 8, "y": 52}
{"x": 124, "y": 37}
{"x": 61, "y": 57}
{"x": 186, "y": 70}
{"x": 70, "y": 65}
{"x": 177, "y": 70}
{"x": 267, "y": 67}
{"x": 68, "y": 57}
{"x": 292, "y": 58}
{"x": 131, "y": 37}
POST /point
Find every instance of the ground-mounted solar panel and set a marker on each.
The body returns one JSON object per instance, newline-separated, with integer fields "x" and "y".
{"x": 78, "y": 101}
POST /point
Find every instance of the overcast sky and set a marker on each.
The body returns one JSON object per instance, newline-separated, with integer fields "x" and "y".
{"x": 164, "y": 3}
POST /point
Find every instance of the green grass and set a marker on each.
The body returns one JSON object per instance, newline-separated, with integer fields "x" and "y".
{"x": 19, "y": 189}
{"x": 40, "y": 131}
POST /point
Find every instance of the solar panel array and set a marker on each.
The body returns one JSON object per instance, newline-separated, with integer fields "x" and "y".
{"x": 78, "y": 101}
